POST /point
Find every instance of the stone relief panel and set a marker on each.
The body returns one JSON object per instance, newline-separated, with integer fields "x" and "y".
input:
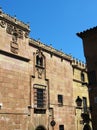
{"x": 14, "y": 44}
{"x": 40, "y": 72}
{"x": 2, "y": 23}
{"x": 16, "y": 33}
{"x": 9, "y": 28}
{"x": 26, "y": 34}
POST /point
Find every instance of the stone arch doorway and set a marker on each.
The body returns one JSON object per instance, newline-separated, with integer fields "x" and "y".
{"x": 40, "y": 128}
{"x": 87, "y": 127}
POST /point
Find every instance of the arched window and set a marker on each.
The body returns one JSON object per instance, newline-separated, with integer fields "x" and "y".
{"x": 87, "y": 127}
{"x": 39, "y": 60}
{"x": 40, "y": 128}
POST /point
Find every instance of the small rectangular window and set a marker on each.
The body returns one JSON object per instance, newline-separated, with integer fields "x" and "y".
{"x": 82, "y": 77}
{"x": 61, "y": 127}
{"x": 60, "y": 99}
{"x": 85, "y": 104}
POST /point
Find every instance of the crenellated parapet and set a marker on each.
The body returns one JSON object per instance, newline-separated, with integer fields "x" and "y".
{"x": 78, "y": 64}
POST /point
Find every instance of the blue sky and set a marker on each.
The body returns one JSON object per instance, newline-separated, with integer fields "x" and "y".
{"x": 56, "y": 22}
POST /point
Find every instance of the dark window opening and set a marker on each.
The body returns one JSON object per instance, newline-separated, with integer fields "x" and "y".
{"x": 39, "y": 111}
{"x": 39, "y": 60}
{"x": 40, "y": 128}
{"x": 40, "y": 98}
{"x": 82, "y": 77}
{"x": 60, "y": 99}
{"x": 61, "y": 127}
{"x": 85, "y": 104}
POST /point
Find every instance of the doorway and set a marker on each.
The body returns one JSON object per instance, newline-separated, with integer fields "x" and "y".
{"x": 40, "y": 128}
{"x": 87, "y": 127}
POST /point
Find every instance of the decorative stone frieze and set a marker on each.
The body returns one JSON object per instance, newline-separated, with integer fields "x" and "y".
{"x": 26, "y": 34}
{"x": 2, "y": 23}
{"x": 9, "y": 28}
{"x": 14, "y": 30}
{"x": 20, "y": 33}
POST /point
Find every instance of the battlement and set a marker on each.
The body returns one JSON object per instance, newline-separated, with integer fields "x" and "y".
{"x": 78, "y": 64}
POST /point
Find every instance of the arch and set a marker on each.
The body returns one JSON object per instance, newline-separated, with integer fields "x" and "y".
{"x": 40, "y": 58}
{"x": 40, "y": 128}
{"x": 87, "y": 127}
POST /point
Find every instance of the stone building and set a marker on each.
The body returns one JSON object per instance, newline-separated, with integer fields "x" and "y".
{"x": 89, "y": 38}
{"x": 80, "y": 90}
{"x": 36, "y": 82}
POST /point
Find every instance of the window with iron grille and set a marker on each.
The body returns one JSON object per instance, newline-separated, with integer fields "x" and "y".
{"x": 40, "y": 102}
{"x": 39, "y": 98}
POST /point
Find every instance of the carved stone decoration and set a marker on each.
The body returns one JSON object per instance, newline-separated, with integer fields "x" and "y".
{"x": 14, "y": 30}
{"x": 26, "y": 34}
{"x": 2, "y": 24}
{"x": 14, "y": 44}
{"x": 9, "y": 28}
{"x": 20, "y": 33}
{"x": 40, "y": 72}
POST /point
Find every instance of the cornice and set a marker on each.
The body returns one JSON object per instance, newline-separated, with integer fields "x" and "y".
{"x": 49, "y": 49}
{"x": 14, "y": 21}
{"x": 88, "y": 32}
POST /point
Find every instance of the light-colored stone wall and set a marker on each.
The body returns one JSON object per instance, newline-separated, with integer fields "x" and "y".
{"x": 79, "y": 89}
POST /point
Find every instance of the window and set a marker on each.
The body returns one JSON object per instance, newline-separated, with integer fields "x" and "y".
{"x": 39, "y": 98}
{"x": 92, "y": 77}
{"x": 60, "y": 99}
{"x": 85, "y": 104}
{"x": 82, "y": 77}
{"x": 61, "y": 127}
{"x": 39, "y": 60}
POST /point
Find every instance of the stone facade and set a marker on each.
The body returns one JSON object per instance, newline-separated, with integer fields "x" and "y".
{"x": 80, "y": 89}
{"x": 36, "y": 82}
